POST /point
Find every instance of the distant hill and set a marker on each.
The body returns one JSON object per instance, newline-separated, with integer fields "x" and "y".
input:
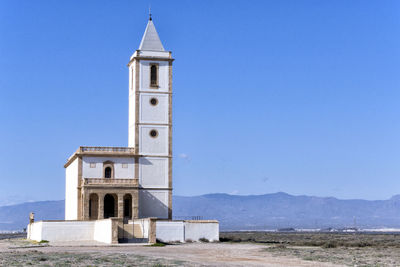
{"x": 281, "y": 210}
{"x": 270, "y": 211}
{"x": 16, "y": 217}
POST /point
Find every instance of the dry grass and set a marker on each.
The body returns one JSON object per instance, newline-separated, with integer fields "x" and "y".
{"x": 352, "y": 249}
{"x": 37, "y": 258}
{"x": 315, "y": 239}
{"x": 366, "y": 256}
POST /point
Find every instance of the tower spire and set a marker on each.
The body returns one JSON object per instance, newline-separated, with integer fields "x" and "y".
{"x": 150, "y": 13}
{"x": 151, "y": 41}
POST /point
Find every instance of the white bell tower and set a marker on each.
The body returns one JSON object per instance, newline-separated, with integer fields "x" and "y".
{"x": 150, "y": 123}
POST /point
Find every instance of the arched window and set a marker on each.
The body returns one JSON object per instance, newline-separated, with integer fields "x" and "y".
{"x": 108, "y": 169}
{"x": 153, "y": 75}
{"x": 107, "y": 172}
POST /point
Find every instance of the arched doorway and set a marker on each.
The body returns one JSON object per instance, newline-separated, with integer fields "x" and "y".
{"x": 128, "y": 206}
{"x": 93, "y": 206}
{"x": 109, "y": 206}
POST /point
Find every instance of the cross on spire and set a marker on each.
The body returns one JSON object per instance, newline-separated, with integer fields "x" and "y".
{"x": 150, "y": 13}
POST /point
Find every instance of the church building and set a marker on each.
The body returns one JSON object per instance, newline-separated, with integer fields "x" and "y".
{"x": 134, "y": 181}
{"x": 124, "y": 194}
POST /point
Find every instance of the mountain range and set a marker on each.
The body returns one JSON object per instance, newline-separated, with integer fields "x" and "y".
{"x": 254, "y": 212}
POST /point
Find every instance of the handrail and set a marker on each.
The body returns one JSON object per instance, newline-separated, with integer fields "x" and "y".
{"x": 106, "y": 149}
{"x": 133, "y": 181}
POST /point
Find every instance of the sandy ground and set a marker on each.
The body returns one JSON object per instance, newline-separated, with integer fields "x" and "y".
{"x": 192, "y": 254}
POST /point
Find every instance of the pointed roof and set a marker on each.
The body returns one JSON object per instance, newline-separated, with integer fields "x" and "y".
{"x": 151, "y": 41}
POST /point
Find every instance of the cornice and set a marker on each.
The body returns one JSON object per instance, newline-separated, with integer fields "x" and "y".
{"x": 150, "y": 59}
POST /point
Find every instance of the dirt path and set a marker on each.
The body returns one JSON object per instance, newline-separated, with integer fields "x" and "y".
{"x": 194, "y": 254}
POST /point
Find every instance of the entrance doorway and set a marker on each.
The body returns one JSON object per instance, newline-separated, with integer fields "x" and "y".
{"x": 109, "y": 206}
{"x": 128, "y": 206}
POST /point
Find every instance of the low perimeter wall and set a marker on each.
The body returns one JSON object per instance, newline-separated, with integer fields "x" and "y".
{"x": 109, "y": 230}
{"x": 182, "y": 231}
{"x": 105, "y": 231}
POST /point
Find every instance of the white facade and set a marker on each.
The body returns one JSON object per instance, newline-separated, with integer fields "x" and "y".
{"x": 153, "y": 172}
{"x": 150, "y": 100}
{"x": 153, "y": 114}
{"x": 153, "y": 203}
{"x": 163, "y": 81}
{"x": 92, "y": 167}
{"x": 153, "y": 146}
{"x": 71, "y": 192}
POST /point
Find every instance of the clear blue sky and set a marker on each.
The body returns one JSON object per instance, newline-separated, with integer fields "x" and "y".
{"x": 294, "y": 96}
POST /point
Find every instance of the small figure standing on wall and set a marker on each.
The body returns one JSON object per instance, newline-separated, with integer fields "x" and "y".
{"x": 31, "y": 217}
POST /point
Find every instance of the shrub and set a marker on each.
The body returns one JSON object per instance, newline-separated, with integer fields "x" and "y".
{"x": 157, "y": 245}
{"x": 330, "y": 244}
{"x": 203, "y": 239}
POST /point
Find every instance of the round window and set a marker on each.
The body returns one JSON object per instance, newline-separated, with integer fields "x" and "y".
{"x": 153, "y": 101}
{"x": 153, "y": 133}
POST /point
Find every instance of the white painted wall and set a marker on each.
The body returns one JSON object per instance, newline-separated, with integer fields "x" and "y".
{"x": 163, "y": 79}
{"x": 153, "y": 114}
{"x": 97, "y": 172}
{"x": 170, "y": 231}
{"x": 143, "y": 53}
{"x": 71, "y": 192}
{"x": 58, "y": 231}
{"x": 102, "y": 231}
{"x": 153, "y": 203}
{"x": 61, "y": 231}
{"x": 195, "y": 230}
{"x": 132, "y": 106}
{"x": 34, "y": 231}
{"x": 148, "y": 145}
{"x": 153, "y": 172}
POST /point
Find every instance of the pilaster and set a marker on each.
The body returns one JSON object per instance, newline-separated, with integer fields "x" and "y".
{"x": 101, "y": 206}
{"x": 120, "y": 211}
{"x": 86, "y": 200}
{"x": 135, "y": 204}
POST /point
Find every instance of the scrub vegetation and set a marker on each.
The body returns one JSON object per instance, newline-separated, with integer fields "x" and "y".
{"x": 352, "y": 249}
{"x": 37, "y": 258}
{"x": 237, "y": 248}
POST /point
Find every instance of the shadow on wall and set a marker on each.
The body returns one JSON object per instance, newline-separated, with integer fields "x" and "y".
{"x": 144, "y": 161}
{"x": 151, "y": 206}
